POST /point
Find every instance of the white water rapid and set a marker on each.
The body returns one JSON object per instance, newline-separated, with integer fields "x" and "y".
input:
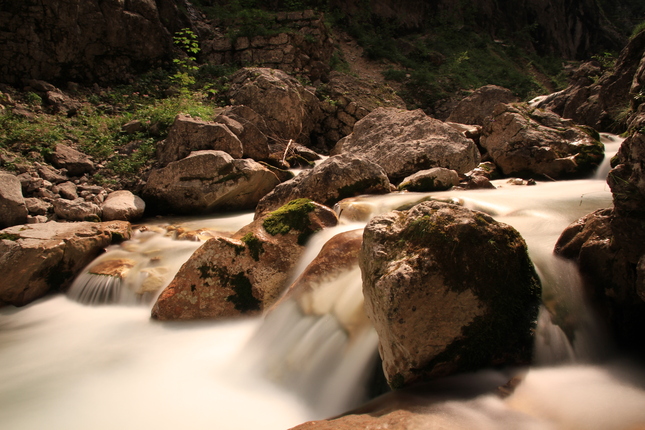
{"x": 66, "y": 365}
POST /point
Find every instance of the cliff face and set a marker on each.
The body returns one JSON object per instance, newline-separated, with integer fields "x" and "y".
{"x": 85, "y": 40}
{"x": 573, "y": 29}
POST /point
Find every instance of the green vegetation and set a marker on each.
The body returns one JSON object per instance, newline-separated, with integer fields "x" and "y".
{"x": 254, "y": 245}
{"x": 9, "y": 236}
{"x": 292, "y": 216}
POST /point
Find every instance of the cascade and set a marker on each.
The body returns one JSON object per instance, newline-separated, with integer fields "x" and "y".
{"x": 66, "y": 365}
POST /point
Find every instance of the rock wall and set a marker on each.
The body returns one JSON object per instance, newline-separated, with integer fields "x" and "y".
{"x": 298, "y": 42}
{"x": 85, "y": 40}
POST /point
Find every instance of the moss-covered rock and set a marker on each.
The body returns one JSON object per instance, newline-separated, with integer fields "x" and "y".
{"x": 448, "y": 290}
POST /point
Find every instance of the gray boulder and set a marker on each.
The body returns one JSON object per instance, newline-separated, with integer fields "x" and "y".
{"x": 448, "y": 290}
{"x": 38, "y": 258}
{"x": 208, "y": 181}
{"x": 435, "y": 179}
{"x": 403, "y": 142}
{"x": 12, "y": 203}
{"x": 480, "y": 104}
{"x": 250, "y": 128}
{"x": 528, "y": 142}
{"x": 290, "y": 110}
{"x": 332, "y": 180}
{"x": 122, "y": 205}
{"x": 189, "y": 134}
{"x": 76, "y": 210}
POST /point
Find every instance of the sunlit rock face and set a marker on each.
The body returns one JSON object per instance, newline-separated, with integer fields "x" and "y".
{"x": 38, "y": 258}
{"x": 243, "y": 275}
{"x": 403, "y": 142}
{"x": 528, "y": 142}
{"x": 290, "y": 110}
{"x": 448, "y": 290}
{"x": 208, "y": 181}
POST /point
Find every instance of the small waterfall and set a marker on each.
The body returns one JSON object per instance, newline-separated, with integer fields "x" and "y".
{"x": 612, "y": 143}
{"x": 133, "y": 272}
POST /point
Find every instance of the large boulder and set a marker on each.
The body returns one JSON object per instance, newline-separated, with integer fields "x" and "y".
{"x": 290, "y": 110}
{"x": 249, "y": 127}
{"x": 403, "y": 142}
{"x": 189, "y": 134}
{"x": 208, "y": 181}
{"x": 122, "y": 205}
{"x": 332, "y": 180}
{"x": 448, "y": 290}
{"x": 480, "y": 104}
{"x": 529, "y": 142}
{"x": 245, "y": 274}
{"x": 89, "y": 40}
{"x": 12, "y": 203}
{"x": 38, "y": 258}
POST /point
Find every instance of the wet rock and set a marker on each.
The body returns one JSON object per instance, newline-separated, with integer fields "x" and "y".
{"x": 527, "y": 142}
{"x": 245, "y": 274}
{"x": 12, "y": 203}
{"x": 189, "y": 134}
{"x": 436, "y": 179}
{"x": 332, "y": 180}
{"x": 404, "y": 142}
{"x": 290, "y": 110}
{"x": 208, "y": 181}
{"x": 480, "y": 104}
{"x": 325, "y": 287}
{"x": 448, "y": 290}
{"x": 76, "y": 210}
{"x": 76, "y": 163}
{"x": 122, "y": 205}
{"x": 38, "y": 258}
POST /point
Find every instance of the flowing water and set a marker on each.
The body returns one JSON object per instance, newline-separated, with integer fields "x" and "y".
{"x": 67, "y": 365}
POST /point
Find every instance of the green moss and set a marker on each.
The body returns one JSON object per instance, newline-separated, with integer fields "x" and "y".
{"x": 292, "y": 216}
{"x": 254, "y": 245}
{"x": 397, "y": 381}
{"x": 9, "y": 236}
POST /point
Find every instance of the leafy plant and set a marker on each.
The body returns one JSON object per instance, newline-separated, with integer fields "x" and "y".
{"x": 187, "y": 42}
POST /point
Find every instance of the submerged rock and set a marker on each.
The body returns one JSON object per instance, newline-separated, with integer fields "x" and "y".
{"x": 38, "y": 258}
{"x": 245, "y": 274}
{"x": 448, "y": 290}
{"x": 403, "y": 142}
